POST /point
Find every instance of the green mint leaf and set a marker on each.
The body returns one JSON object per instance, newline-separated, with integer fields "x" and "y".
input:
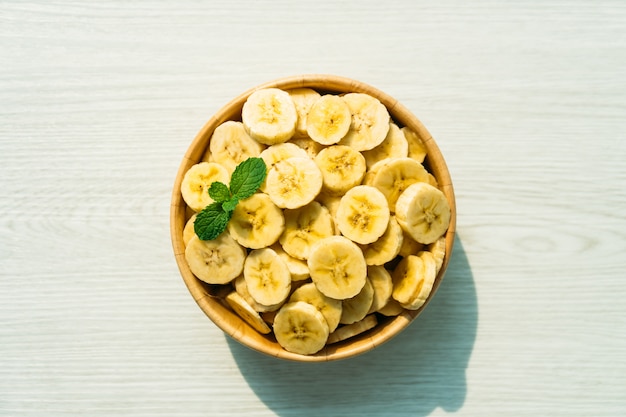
{"x": 247, "y": 178}
{"x": 211, "y": 221}
{"x": 229, "y": 206}
{"x": 219, "y": 192}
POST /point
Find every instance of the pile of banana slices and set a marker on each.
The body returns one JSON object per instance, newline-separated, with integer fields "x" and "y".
{"x": 347, "y": 226}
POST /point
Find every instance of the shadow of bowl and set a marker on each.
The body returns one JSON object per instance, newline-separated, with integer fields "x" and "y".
{"x": 419, "y": 370}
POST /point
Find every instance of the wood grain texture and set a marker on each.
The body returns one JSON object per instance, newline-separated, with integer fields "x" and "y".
{"x": 100, "y": 102}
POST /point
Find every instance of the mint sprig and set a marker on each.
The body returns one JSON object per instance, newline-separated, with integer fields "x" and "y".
{"x": 244, "y": 182}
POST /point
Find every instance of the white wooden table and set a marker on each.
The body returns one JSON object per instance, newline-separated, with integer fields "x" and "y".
{"x": 99, "y": 101}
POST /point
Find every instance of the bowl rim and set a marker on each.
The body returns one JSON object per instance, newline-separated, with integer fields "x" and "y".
{"x": 209, "y": 299}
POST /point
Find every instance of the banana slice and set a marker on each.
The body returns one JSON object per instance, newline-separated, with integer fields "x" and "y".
{"x": 303, "y": 227}
{"x": 395, "y": 145}
{"x": 247, "y": 313}
{"x": 230, "y": 145}
{"x": 382, "y": 285}
{"x": 426, "y": 284}
{"x": 300, "y": 328}
{"x": 297, "y": 267}
{"x": 337, "y": 267}
{"x": 417, "y": 150}
{"x": 276, "y": 153}
{"x": 328, "y": 120}
{"x": 267, "y": 277}
{"x": 269, "y": 116}
{"x": 423, "y": 212}
{"x": 242, "y": 289}
{"x": 369, "y": 122}
{"x": 387, "y": 246}
{"x": 409, "y": 245}
{"x": 256, "y": 222}
{"x": 217, "y": 261}
{"x": 303, "y": 98}
{"x": 329, "y": 307}
{"x": 196, "y": 182}
{"x": 438, "y": 249}
{"x": 342, "y": 168}
{"x": 293, "y": 182}
{"x": 355, "y": 308}
{"x": 391, "y": 309}
{"x": 363, "y": 214}
{"x": 396, "y": 175}
{"x": 351, "y": 330}
{"x": 331, "y": 202}
{"x": 188, "y": 230}
{"x": 311, "y": 147}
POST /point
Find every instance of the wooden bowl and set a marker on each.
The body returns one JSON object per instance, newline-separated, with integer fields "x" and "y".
{"x": 208, "y": 297}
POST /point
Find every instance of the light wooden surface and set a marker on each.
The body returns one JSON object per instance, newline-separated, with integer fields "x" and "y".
{"x": 100, "y": 100}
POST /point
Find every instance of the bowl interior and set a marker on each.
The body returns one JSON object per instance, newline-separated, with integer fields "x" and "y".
{"x": 208, "y": 297}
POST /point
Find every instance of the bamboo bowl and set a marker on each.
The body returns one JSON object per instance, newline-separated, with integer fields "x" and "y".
{"x": 208, "y": 297}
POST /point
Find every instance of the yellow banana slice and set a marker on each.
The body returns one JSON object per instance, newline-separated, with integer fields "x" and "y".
{"x": 256, "y": 222}
{"x": 311, "y": 147}
{"x": 363, "y": 214}
{"x": 342, "y": 168}
{"x": 217, "y": 261}
{"x": 417, "y": 150}
{"x": 328, "y": 120}
{"x": 382, "y": 285}
{"x": 230, "y": 145}
{"x": 438, "y": 249}
{"x": 300, "y": 328}
{"x": 247, "y": 313}
{"x": 329, "y": 307}
{"x": 293, "y": 182}
{"x": 355, "y": 308}
{"x": 351, "y": 330}
{"x": 423, "y": 212}
{"x": 297, "y": 267}
{"x": 188, "y": 230}
{"x": 395, "y": 176}
{"x": 408, "y": 278}
{"x": 242, "y": 289}
{"x": 369, "y": 122}
{"x": 395, "y": 145}
{"x": 303, "y": 98}
{"x": 304, "y": 226}
{"x": 196, "y": 182}
{"x": 409, "y": 245}
{"x": 426, "y": 284}
{"x": 267, "y": 277}
{"x": 269, "y": 116}
{"x": 279, "y": 152}
{"x": 331, "y": 202}
{"x": 387, "y": 246}
{"x": 391, "y": 309}
{"x": 337, "y": 267}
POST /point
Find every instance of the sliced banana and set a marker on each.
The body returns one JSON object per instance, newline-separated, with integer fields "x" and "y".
{"x": 409, "y": 245}
{"x": 242, "y": 289}
{"x": 267, "y": 277}
{"x": 329, "y": 307}
{"x": 217, "y": 261}
{"x": 269, "y": 116}
{"x": 363, "y": 214}
{"x": 342, "y": 168}
{"x": 417, "y": 150}
{"x": 300, "y": 328}
{"x": 297, "y": 267}
{"x": 396, "y": 175}
{"x": 354, "y": 329}
{"x": 247, "y": 313}
{"x": 423, "y": 212}
{"x": 328, "y": 120}
{"x": 337, "y": 267}
{"x": 304, "y": 226}
{"x": 438, "y": 249}
{"x": 303, "y": 99}
{"x": 311, "y": 147}
{"x": 188, "y": 230}
{"x": 391, "y": 309}
{"x": 196, "y": 182}
{"x": 230, "y": 145}
{"x": 395, "y": 145}
{"x": 256, "y": 222}
{"x": 331, "y": 202}
{"x": 369, "y": 122}
{"x": 426, "y": 284}
{"x": 356, "y": 308}
{"x": 382, "y": 285}
{"x": 408, "y": 278}
{"x": 387, "y": 246}
{"x": 294, "y": 182}
{"x": 279, "y": 152}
